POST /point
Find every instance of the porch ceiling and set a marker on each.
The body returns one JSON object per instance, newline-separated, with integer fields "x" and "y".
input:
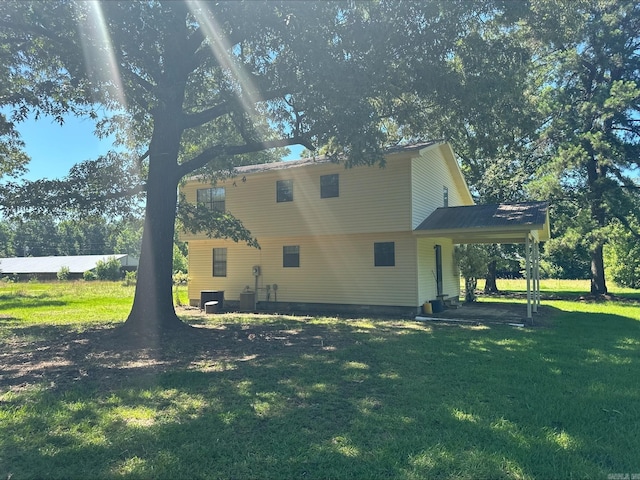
{"x": 498, "y": 223}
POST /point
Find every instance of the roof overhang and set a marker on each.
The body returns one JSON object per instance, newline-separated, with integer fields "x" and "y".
{"x": 500, "y": 223}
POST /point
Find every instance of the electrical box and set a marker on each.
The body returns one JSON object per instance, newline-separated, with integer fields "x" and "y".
{"x": 255, "y": 270}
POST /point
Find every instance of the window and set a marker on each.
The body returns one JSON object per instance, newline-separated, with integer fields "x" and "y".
{"x": 284, "y": 191}
{"x": 219, "y": 262}
{"x": 329, "y": 186}
{"x": 384, "y": 254}
{"x": 291, "y": 256}
{"x": 212, "y": 198}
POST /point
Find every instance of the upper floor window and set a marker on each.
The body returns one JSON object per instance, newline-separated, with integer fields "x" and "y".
{"x": 291, "y": 256}
{"x": 212, "y": 198}
{"x": 384, "y": 254}
{"x": 329, "y": 186}
{"x": 284, "y": 191}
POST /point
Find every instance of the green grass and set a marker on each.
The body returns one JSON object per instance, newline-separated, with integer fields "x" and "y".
{"x": 72, "y": 303}
{"x": 560, "y": 288}
{"x": 315, "y": 398}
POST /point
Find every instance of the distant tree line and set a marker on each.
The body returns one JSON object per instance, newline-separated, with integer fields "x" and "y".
{"x": 88, "y": 236}
{"x": 94, "y": 235}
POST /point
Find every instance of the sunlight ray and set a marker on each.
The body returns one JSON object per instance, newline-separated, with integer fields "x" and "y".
{"x": 98, "y": 51}
{"x": 221, "y": 48}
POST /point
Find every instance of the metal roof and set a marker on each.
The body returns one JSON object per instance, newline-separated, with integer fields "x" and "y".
{"x": 497, "y": 223}
{"x": 53, "y": 264}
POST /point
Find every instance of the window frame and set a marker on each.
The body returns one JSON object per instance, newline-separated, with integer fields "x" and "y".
{"x": 284, "y": 191}
{"x": 330, "y": 185}
{"x": 219, "y": 267}
{"x": 291, "y": 259}
{"x": 212, "y": 202}
{"x": 384, "y": 254}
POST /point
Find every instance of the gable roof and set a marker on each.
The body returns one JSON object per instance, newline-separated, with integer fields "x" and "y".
{"x": 303, "y": 162}
{"x": 497, "y": 223}
{"x": 53, "y": 264}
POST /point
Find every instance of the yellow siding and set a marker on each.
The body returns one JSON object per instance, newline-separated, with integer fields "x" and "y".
{"x": 430, "y": 173}
{"x": 427, "y": 289}
{"x": 372, "y": 199}
{"x": 336, "y": 235}
{"x": 335, "y": 269}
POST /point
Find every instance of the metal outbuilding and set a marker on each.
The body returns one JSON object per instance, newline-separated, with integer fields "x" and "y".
{"x": 48, "y": 267}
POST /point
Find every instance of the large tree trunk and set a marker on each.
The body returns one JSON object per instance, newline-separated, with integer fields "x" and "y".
{"x": 597, "y": 172}
{"x": 490, "y": 285}
{"x": 598, "y": 283}
{"x": 153, "y": 310}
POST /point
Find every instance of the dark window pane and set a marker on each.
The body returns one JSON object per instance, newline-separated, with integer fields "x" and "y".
{"x": 291, "y": 256}
{"x": 329, "y": 186}
{"x": 212, "y": 198}
{"x": 284, "y": 191}
{"x": 219, "y": 262}
{"x": 384, "y": 254}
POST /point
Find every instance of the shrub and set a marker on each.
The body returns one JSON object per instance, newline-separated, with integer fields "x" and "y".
{"x": 63, "y": 273}
{"x": 108, "y": 270}
{"x": 130, "y": 278}
{"x": 89, "y": 275}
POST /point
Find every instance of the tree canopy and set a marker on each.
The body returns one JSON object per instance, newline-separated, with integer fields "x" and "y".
{"x": 588, "y": 57}
{"x": 198, "y": 87}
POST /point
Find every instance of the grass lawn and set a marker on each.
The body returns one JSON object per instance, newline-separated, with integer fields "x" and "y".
{"x": 314, "y": 398}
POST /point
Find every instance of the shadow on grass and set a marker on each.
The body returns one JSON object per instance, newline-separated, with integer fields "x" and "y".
{"x": 286, "y": 398}
{"x": 31, "y": 303}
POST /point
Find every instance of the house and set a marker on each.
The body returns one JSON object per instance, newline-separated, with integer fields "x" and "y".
{"x": 47, "y": 268}
{"x": 335, "y": 239}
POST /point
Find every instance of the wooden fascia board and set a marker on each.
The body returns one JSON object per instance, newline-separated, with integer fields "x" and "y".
{"x": 487, "y": 235}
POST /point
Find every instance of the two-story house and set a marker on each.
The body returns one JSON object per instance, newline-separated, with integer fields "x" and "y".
{"x": 333, "y": 238}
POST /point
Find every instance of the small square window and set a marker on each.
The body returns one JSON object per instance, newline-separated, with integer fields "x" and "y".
{"x": 219, "y": 262}
{"x": 291, "y": 256}
{"x": 284, "y": 191}
{"x": 384, "y": 254}
{"x": 330, "y": 186}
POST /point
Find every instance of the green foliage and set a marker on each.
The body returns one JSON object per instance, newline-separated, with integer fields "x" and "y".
{"x": 130, "y": 278}
{"x": 180, "y": 262}
{"x": 472, "y": 261}
{"x": 91, "y": 235}
{"x": 111, "y": 269}
{"x": 588, "y": 91}
{"x": 89, "y": 276}
{"x": 199, "y": 219}
{"x": 623, "y": 258}
{"x": 63, "y": 273}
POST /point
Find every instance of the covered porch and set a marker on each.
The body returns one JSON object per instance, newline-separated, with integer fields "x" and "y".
{"x": 521, "y": 223}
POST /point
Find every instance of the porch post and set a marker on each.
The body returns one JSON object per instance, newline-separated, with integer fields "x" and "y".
{"x": 527, "y": 249}
{"x": 536, "y": 256}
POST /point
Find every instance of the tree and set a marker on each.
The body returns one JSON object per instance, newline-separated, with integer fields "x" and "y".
{"x": 472, "y": 260}
{"x": 590, "y": 97}
{"x": 196, "y": 87}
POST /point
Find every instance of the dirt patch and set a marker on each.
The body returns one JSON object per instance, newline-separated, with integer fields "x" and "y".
{"x": 57, "y": 357}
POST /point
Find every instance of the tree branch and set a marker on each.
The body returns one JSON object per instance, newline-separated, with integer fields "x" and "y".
{"x": 210, "y": 153}
{"x": 200, "y": 118}
{"x": 627, "y": 225}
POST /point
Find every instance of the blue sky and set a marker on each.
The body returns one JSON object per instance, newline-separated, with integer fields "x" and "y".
{"x": 54, "y": 149}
